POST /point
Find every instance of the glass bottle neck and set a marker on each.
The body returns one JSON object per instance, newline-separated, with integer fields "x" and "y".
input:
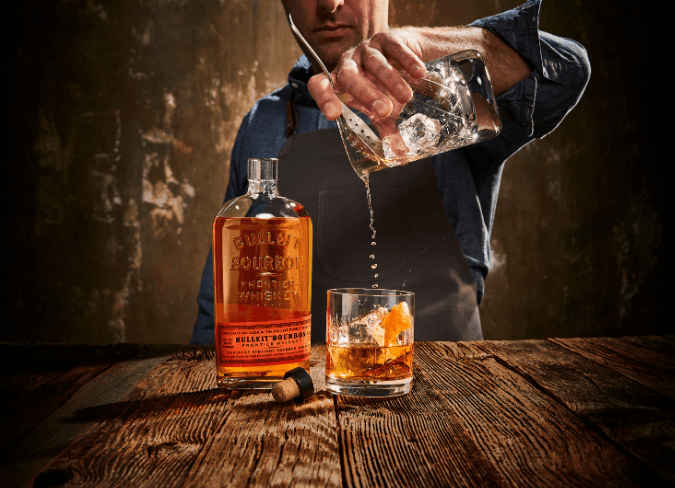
{"x": 262, "y": 175}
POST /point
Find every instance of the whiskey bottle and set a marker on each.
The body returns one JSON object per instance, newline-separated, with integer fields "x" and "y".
{"x": 262, "y": 271}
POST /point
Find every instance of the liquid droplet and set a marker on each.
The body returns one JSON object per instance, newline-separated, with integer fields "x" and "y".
{"x": 372, "y": 220}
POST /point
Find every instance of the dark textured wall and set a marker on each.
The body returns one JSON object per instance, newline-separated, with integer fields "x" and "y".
{"x": 120, "y": 119}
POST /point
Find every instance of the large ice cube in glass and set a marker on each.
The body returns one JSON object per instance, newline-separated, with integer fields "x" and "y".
{"x": 420, "y": 132}
{"x": 366, "y": 329}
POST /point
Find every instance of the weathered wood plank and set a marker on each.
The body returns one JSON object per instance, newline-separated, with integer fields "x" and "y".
{"x": 662, "y": 344}
{"x": 641, "y": 364}
{"x": 38, "y": 379}
{"x": 17, "y": 363}
{"x": 476, "y": 416}
{"x": 290, "y": 445}
{"x": 471, "y": 421}
{"x": 177, "y": 429}
{"x": 61, "y": 427}
{"x": 637, "y": 418}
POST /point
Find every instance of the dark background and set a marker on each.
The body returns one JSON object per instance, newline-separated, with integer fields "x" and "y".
{"x": 120, "y": 117}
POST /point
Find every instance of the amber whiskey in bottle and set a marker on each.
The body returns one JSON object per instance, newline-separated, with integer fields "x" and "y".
{"x": 262, "y": 272}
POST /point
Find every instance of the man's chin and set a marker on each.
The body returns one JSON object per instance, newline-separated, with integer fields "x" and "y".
{"x": 330, "y": 53}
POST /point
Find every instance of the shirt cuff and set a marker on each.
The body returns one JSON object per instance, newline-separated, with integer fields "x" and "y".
{"x": 519, "y": 28}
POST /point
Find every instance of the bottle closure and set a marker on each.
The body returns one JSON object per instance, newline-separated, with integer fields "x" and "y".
{"x": 262, "y": 175}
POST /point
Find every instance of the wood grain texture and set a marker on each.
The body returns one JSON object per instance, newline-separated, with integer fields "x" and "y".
{"x": 36, "y": 380}
{"x": 177, "y": 429}
{"x": 563, "y": 412}
{"x": 61, "y": 384}
{"x": 643, "y": 365}
{"x": 662, "y": 344}
{"x": 471, "y": 421}
{"x": 30, "y": 389}
{"x": 639, "y": 419}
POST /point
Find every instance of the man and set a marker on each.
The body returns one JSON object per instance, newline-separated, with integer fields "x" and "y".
{"x": 433, "y": 217}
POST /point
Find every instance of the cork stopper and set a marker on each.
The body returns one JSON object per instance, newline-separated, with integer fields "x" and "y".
{"x": 297, "y": 385}
{"x": 285, "y": 390}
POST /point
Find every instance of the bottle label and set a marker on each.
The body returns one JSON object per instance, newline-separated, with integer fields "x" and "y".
{"x": 265, "y": 267}
{"x": 247, "y": 344}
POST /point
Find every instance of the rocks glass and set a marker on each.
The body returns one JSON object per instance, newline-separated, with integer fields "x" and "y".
{"x": 369, "y": 342}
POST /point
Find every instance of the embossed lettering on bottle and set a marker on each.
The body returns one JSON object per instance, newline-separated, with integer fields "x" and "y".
{"x": 262, "y": 284}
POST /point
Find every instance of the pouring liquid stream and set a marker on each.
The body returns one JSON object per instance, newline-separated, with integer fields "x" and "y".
{"x": 373, "y": 266}
{"x": 363, "y": 160}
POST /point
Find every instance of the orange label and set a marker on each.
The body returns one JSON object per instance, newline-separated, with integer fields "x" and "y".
{"x": 243, "y": 344}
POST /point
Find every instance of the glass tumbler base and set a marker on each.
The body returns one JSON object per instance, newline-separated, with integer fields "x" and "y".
{"x": 372, "y": 389}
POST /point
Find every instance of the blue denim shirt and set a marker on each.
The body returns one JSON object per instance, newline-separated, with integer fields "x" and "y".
{"x": 468, "y": 178}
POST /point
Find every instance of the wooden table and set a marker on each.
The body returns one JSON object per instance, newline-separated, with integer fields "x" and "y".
{"x": 558, "y": 412}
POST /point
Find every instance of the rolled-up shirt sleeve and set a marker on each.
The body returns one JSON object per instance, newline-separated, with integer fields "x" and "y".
{"x": 529, "y": 110}
{"x": 535, "y": 106}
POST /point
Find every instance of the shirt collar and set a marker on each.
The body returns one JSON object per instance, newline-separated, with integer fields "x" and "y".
{"x": 298, "y": 78}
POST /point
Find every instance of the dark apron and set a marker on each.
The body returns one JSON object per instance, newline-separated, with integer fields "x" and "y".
{"x": 416, "y": 250}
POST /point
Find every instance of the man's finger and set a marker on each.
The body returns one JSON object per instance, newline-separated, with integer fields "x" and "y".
{"x": 377, "y": 65}
{"x": 324, "y": 96}
{"x": 350, "y": 80}
{"x": 396, "y": 50}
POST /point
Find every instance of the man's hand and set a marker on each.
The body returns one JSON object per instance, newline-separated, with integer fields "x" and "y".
{"x": 370, "y": 77}
{"x": 374, "y": 77}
